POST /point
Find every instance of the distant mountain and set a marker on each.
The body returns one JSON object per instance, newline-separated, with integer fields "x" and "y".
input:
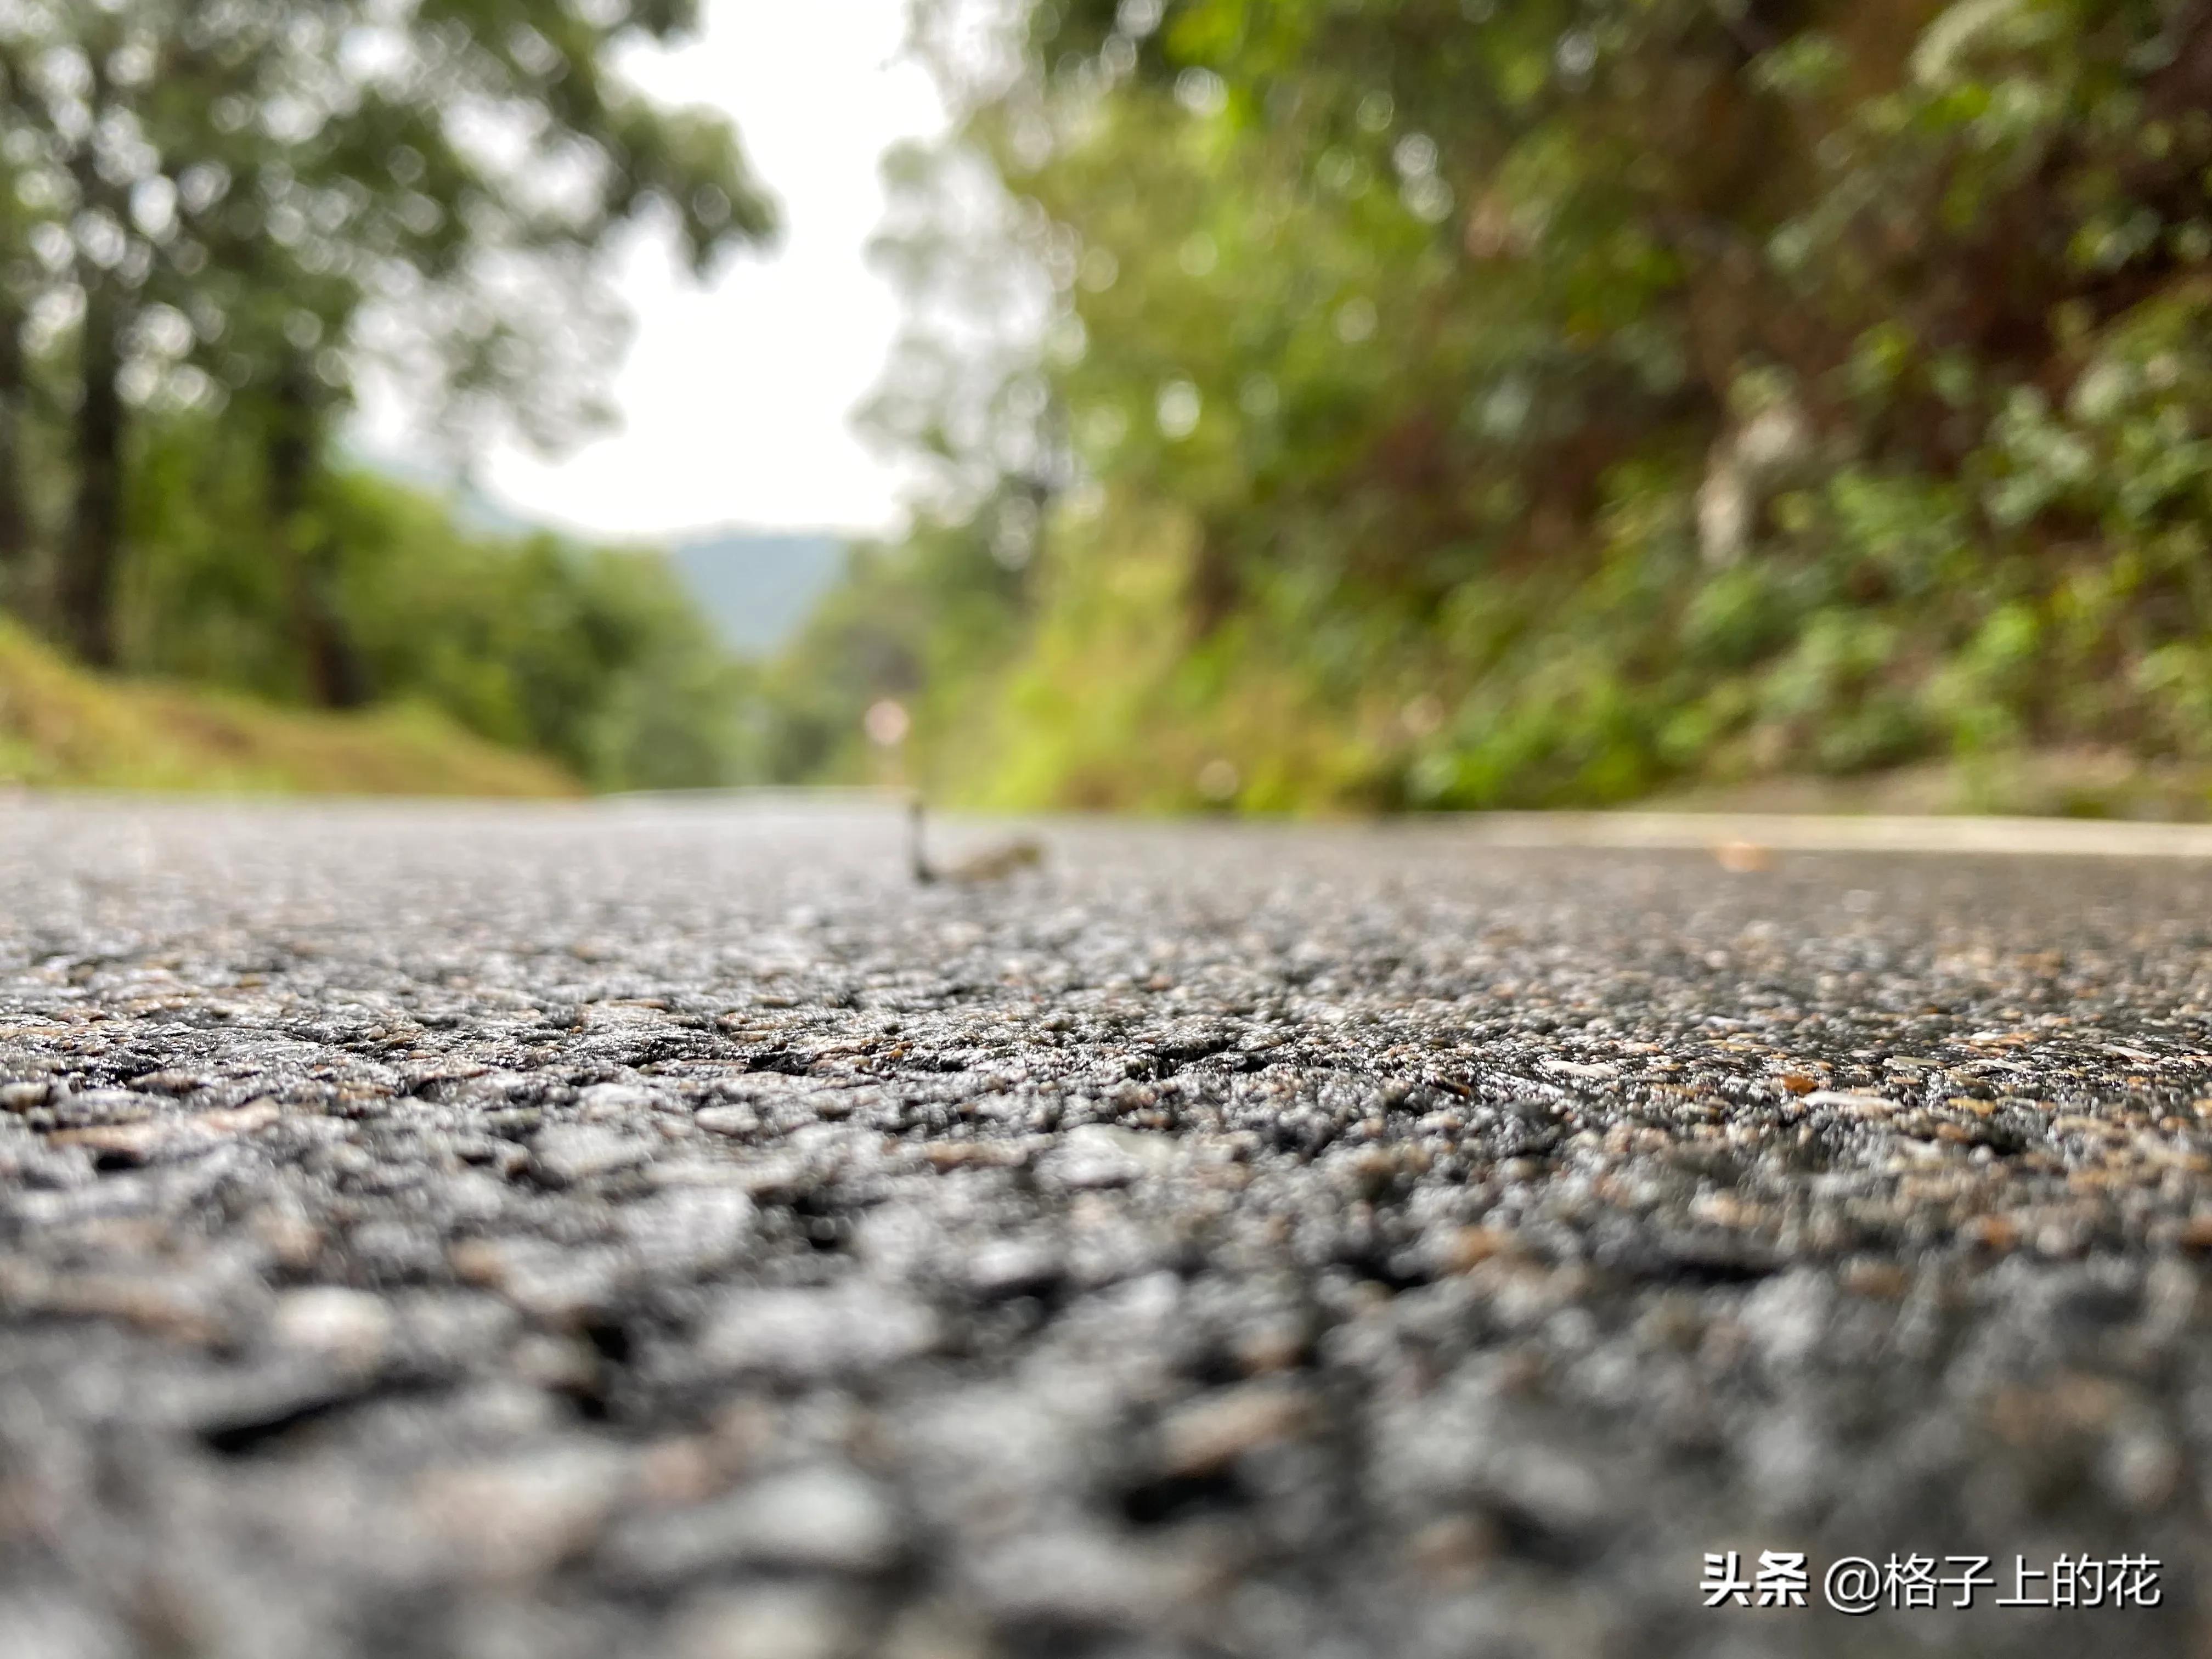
{"x": 757, "y": 587}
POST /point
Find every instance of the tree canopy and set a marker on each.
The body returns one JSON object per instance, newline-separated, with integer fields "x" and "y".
{"x": 241, "y": 207}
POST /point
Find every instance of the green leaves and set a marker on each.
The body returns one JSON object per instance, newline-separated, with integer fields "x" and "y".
{"x": 1656, "y": 386}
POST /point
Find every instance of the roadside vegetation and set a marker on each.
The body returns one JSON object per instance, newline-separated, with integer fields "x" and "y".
{"x": 63, "y": 727}
{"x": 1444, "y": 403}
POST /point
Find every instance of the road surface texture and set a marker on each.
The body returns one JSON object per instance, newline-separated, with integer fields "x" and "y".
{"x": 669, "y": 1231}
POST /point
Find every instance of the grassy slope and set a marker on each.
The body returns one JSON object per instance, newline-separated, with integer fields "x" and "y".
{"x": 61, "y": 726}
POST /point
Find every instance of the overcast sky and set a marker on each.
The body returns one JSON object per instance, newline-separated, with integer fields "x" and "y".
{"x": 736, "y": 399}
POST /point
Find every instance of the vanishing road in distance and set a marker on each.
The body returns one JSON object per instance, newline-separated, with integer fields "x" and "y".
{"x": 664, "y": 1230}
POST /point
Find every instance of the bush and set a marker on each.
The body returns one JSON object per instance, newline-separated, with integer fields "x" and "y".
{"x": 595, "y": 657}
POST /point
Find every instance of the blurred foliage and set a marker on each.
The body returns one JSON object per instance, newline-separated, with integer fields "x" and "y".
{"x": 1485, "y": 402}
{"x": 595, "y": 657}
{"x": 921, "y": 623}
{"x": 217, "y": 220}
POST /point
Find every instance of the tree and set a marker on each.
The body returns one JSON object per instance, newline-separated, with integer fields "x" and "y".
{"x": 247, "y": 203}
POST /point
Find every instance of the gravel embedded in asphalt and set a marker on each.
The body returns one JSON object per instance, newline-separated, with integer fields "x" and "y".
{"x": 664, "y": 1230}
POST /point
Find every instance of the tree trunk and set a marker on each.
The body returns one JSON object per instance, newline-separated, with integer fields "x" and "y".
{"x": 1215, "y": 586}
{"x": 87, "y": 589}
{"x": 14, "y": 510}
{"x": 337, "y": 677}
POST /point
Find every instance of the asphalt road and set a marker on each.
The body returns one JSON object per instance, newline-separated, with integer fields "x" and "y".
{"x": 669, "y": 1231}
